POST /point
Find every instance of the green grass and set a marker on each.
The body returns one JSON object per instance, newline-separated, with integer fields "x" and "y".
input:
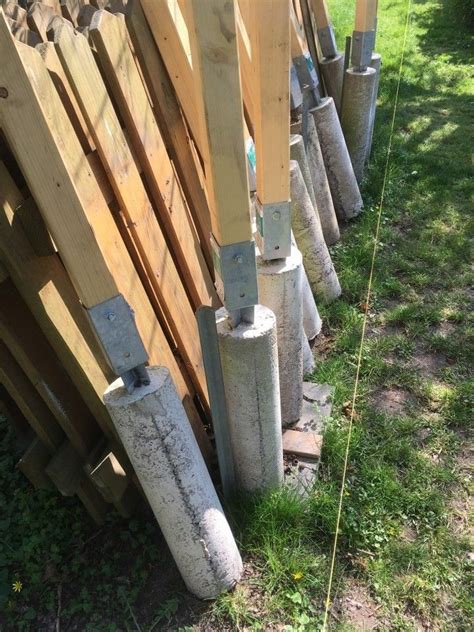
{"x": 406, "y": 479}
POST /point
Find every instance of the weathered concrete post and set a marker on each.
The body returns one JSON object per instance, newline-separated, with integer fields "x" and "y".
{"x": 376, "y": 63}
{"x": 309, "y": 237}
{"x": 279, "y": 288}
{"x": 342, "y": 181}
{"x": 357, "y": 104}
{"x": 249, "y": 357}
{"x": 156, "y": 433}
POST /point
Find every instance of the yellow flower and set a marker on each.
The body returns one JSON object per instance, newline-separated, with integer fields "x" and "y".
{"x": 297, "y": 576}
{"x": 17, "y": 586}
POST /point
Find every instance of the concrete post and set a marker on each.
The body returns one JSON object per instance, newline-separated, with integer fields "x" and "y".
{"x": 375, "y": 63}
{"x": 158, "y": 438}
{"x": 279, "y": 288}
{"x": 332, "y": 69}
{"x": 249, "y": 357}
{"x": 322, "y": 191}
{"x": 298, "y": 153}
{"x": 310, "y": 240}
{"x": 311, "y": 320}
{"x": 342, "y": 181}
{"x": 357, "y": 97}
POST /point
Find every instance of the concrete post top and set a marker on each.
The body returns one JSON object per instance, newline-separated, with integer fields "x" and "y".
{"x": 326, "y": 102}
{"x": 295, "y": 138}
{"x": 279, "y": 266}
{"x": 361, "y": 73}
{"x": 117, "y": 395}
{"x": 264, "y": 323}
{"x": 332, "y": 60}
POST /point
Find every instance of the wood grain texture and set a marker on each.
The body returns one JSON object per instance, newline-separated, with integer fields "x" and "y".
{"x": 212, "y": 33}
{"x": 171, "y": 122}
{"x": 109, "y": 35}
{"x": 270, "y": 41}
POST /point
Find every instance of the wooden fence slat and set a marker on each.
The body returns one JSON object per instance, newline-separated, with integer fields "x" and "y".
{"x": 167, "y": 38}
{"x": 28, "y": 400}
{"x": 27, "y": 343}
{"x": 109, "y": 35}
{"x": 33, "y": 463}
{"x": 172, "y": 125}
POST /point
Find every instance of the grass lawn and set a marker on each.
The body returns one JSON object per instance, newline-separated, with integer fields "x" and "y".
{"x": 403, "y": 555}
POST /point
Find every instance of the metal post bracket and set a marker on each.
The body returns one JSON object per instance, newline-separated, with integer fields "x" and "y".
{"x": 236, "y": 274}
{"x": 114, "y": 324}
{"x": 363, "y": 43}
{"x": 274, "y": 229}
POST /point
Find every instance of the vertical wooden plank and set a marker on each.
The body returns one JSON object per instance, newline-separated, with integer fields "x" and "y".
{"x": 109, "y": 35}
{"x": 365, "y": 14}
{"x": 160, "y": 18}
{"x": 172, "y": 125}
{"x": 270, "y": 39}
{"x": 97, "y": 108}
{"x": 212, "y": 33}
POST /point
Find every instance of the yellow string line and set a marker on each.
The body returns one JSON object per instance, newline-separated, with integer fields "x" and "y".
{"x": 364, "y": 324}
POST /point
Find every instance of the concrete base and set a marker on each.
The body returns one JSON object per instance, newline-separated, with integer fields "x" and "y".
{"x": 279, "y": 288}
{"x": 311, "y": 319}
{"x": 249, "y": 357}
{"x": 157, "y": 436}
{"x": 322, "y": 191}
{"x": 342, "y": 181}
{"x": 310, "y": 240}
{"x": 377, "y": 64}
{"x": 301, "y": 472}
{"x": 357, "y": 97}
{"x": 298, "y": 153}
{"x": 333, "y": 74}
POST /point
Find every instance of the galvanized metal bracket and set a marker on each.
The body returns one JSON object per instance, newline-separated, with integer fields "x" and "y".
{"x": 236, "y": 274}
{"x": 307, "y": 78}
{"x": 206, "y": 318}
{"x": 296, "y": 98}
{"x": 114, "y": 324}
{"x": 273, "y": 229}
{"x": 363, "y": 43}
{"x": 327, "y": 41}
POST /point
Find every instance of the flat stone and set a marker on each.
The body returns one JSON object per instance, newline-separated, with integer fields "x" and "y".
{"x": 305, "y": 444}
{"x": 317, "y": 406}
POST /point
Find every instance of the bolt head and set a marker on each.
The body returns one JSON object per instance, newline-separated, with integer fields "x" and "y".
{"x": 276, "y": 215}
{"x": 238, "y": 259}
{"x": 111, "y": 316}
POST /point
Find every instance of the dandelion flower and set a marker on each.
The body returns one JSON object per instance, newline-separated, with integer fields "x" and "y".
{"x": 297, "y": 576}
{"x": 17, "y": 586}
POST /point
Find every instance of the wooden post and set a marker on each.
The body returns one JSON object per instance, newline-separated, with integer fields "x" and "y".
{"x": 363, "y": 37}
{"x": 43, "y": 140}
{"x": 270, "y": 40}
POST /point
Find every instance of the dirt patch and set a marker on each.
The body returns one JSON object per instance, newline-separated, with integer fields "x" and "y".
{"x": 392, "y": 401}
{"x": 445, "y": 329}
{"x": 428, "y": 364}
{"x": 357, "y": 608}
